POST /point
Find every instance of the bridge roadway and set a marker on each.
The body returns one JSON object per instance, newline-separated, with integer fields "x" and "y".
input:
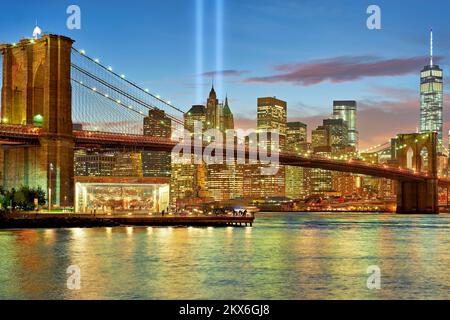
{"x": 13, "y": 135}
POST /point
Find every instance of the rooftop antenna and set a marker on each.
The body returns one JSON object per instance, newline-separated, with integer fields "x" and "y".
{"x": 431, "y": 47}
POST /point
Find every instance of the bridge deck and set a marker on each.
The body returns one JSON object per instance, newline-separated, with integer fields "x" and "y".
{"x": 29, "y": 134}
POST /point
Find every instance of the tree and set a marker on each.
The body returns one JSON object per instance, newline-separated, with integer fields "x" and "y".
{"x": 22, "y": 199}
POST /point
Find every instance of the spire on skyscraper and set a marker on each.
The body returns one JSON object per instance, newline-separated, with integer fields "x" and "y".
{"x": 226, "y": 107}
{"x": 431, "y": 47}
{"x": 212, "y": 93}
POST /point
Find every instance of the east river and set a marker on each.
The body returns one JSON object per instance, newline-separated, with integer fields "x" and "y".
{"x": 284, "y": 256}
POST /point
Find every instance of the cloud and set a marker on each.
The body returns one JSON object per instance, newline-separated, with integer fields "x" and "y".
{"x": 225, "y": 73}
{"x": 341, "y": 69}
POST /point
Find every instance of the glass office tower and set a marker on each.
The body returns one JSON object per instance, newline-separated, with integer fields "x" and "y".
{"x": 346, "y": 110}
{"x": 431, "y": 97}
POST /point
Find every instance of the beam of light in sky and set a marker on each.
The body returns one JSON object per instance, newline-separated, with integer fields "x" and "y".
{"x": 219, "y": 47}
{"x": 199, "y": 18}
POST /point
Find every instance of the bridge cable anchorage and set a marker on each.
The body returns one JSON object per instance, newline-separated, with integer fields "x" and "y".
{"x": 83, "y": 54}
{"x": 119, "y": 91}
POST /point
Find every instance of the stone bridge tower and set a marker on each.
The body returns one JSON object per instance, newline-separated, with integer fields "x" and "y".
{"x": 37, "y": 91}
{"x": 418, "y": 152}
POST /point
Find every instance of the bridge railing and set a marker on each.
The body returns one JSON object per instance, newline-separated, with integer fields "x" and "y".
{"x": 20, "y": 129}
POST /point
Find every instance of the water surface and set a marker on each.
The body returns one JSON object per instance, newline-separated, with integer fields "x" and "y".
{"x": 284, "y": 256}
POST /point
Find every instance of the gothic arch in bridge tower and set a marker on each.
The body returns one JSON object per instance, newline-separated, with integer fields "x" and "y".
{"x": 418, "y": 152}
{"x": 424, "y": 163}
{"x": 38, "y": 92}
{"x": 409, "y": 158}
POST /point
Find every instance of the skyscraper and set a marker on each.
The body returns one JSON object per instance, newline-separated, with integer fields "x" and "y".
{"x": 196, "y": 114}
{"x": 228, "y": 119}
{"x": 213, "y": 111}
{"x": 346, "y": 110}
{"x": 156, "y": 163}
{"x": 188, "y": 179}
{"x": 320, "y": 180}
{"x": 93, "y": 163}
{"x": 223, "y": 180}
{"x": 272, "y": 115}
{"x": 338, "y": 135}
{"x": 296, "y": 182}
{"x": 431, "y": 96}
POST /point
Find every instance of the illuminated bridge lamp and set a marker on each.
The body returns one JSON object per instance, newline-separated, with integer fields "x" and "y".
{"x": 38, "y": 120}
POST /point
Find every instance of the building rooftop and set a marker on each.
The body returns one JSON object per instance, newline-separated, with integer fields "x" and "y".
{"x": 197, "y": 109}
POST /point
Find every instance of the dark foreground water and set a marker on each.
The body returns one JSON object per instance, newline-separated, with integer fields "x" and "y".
{"x": 285, "y": 256}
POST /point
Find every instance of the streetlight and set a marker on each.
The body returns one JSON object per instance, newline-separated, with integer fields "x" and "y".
{"x": 50, "y": 189}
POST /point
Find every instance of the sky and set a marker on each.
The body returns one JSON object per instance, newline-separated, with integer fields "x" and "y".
{"x": 306, "y": 52}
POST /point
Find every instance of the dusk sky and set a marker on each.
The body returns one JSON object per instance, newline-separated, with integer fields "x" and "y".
{"x": 307, "y": 52}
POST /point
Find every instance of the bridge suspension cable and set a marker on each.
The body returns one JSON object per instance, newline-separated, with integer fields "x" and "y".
{"x": 119, "y": 91}
{"x": 376, "y": 147}
{"x": 106, "y": 101}
{"x": 123, "y": 78}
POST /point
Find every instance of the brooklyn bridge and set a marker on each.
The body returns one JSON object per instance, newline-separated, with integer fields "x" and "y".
{"x": 56, "y": 99}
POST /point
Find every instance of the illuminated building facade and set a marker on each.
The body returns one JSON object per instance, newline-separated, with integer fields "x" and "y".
{"x": 196, "y": 114}
{"x": 337, "y": 134}
{"x": 213, "y": 111}
{"x": 296, "y": 135}
{"x": 321, "y": 182}
{"x": 331, "y": 139}
{"x": 128, "y": 164}
{"x": 272, "y": 116}
{"x": 224, "y": 181}
{"x": 97, "y": 164}
{"x": 346, "y": 110}
{"x": 319, "y": 137}
{"x": 345, "y": 184}
{"x": 157, "y": 163}
{"x": 189, "y": 179}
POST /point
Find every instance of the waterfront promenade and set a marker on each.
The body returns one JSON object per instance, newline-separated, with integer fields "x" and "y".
{"x": 63, "y": 220}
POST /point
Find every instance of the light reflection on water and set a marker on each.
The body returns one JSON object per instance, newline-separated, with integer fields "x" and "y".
{"x": 285, "y": 256}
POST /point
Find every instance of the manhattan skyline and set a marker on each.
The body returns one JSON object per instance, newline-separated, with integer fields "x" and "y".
{"x": 295, "y": 54}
